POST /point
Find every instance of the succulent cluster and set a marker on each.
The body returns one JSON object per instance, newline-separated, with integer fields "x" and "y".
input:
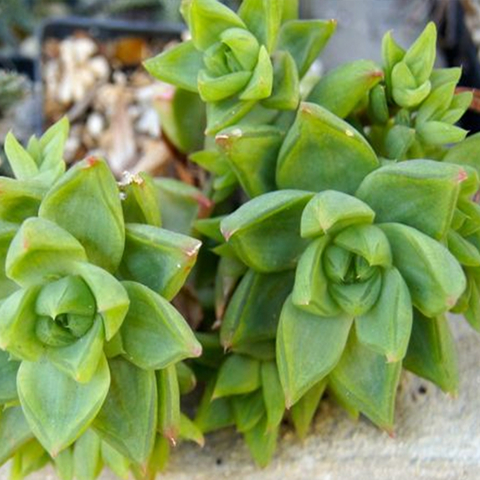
{"x": 91, "y": 348}
{"x": 340, "y": 226}
{"x": 361, "y": 232}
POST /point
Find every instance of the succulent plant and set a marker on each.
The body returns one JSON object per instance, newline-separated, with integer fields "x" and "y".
{"x": 85, "y": 322}
{"x": 342, "y": 268}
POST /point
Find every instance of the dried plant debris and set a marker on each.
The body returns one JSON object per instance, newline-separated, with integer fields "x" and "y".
{"x": 109, "y": 99}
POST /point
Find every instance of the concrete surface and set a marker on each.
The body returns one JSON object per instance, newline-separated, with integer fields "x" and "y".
{"x": 437, "y": 438}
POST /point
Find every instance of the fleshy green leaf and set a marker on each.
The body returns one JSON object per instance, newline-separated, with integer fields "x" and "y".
{"x": 440, "y": 133}
{"x": 110, "y": 296}
{"x": 331, "y": 211}
{"x": 42, "y": 251}
{"x": 273, "y": 397}
{"x": 304, "y": 410}
{"x": 140, "y": 200}
{"x": 256, "y": 173}
{"x": 247, "y": 410}
{"x": 14, "y": 432}
{"x": 22, "y": 163}
{"x": 207, "y": 19}
{"x": 305, "y": 39}
{"x": 213, "y": 414}
{"x": 367, "y": 241}
{"x": 157, "y": 258}
{"x": 225, "y": 113}
{"x": 265, "y": 232}
{"x": 466, "y": 152}
{"x": 263, "y": 19}
{"x": 190, "y": 431}
{"x": 154, "y": 334}
{"x": 115, "y": 461}
{"x": 80, "y": 360}
{"x": 89, "y": 196}
{"x": 344, "y": 87}
{"x": 168, "y": 403}
{"x": 178, "y": 66}
{"x": 128, "y": 418}
{"x": 386, "y": 327}
{"x": 419, "y": 193}
{"x": 310, "y": 292}
{"x": 322, "y": 152}
{"x": 18, "y": 325}
{"x": 369, "y": 382}
{"x": 253, "y": 311}
{"x": 180, "y": 204}
{"x": 433, "y": 275}
{"x": 432, "y": 354}
{"x": 308, "y": 348}
{"x": 420, "y": 57}
{"x": 237, "y": 375}
{"x": 262, "y": 443}
{"x": 87, "y": 456}
{"x": 286, "y": 83}
{"x": 57, "y": 408}
{"x": 8, "y": 378}
{"x": 183, "y": 117}
{"x": 19, "y": 199}
{"x": 261, "y": 83}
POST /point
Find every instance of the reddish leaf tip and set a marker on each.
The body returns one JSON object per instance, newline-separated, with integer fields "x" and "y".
{"x": 91, "y": 161}
{"x": 197, "y": 351}
{"x": 462, "y": 176}
{"x": 390, "y": 431}
{"x": 193, "y": 252}
{"x": 377, "y": 74}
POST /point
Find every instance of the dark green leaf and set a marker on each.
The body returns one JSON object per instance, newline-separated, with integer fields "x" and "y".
{"x": 253, "y": 312}
{"x": 304, "y": 410}
{"x": 432, "y": 354}
{"x": 237, "y": 375}
{"x": 168, "y": 403}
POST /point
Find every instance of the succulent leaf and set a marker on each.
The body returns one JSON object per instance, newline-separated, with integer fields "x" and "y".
{"x": 249, "y": 230}
{"x": 89, "y": 196}
{"x": 435, "y": 286}
{"x": 308, "y": 348}
{"x": 304, "y": 40}
{"x": 431, "y": 352}
{"x": 317, "y": 140}
{"x": 357, "y": 78}
{"x": 387, "y": 326}
{"x": 168, "y": 403}
{"x": 253, "y": 311}
{"x": 304, "y": 410}
{"x": 419, "y": 193}
{"x": 8, "y": 375}
{"x": 178, "y": 65}
{"x": 14, "y": 432}
{"x": 157, "y": 258}
{"x": 57, "y": 408}
{"x": 237, "y": 375}
{"x": 369, "y": 382}
{"x": 128, "y": 421}
{"x": 154, "y": 334}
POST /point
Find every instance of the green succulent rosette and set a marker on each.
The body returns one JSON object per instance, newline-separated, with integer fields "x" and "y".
{"x": 406, "y": 108}
{"x": 88, "y": 276}
{"x": 369, "y": 268}
{"x": 236, "y": 61}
